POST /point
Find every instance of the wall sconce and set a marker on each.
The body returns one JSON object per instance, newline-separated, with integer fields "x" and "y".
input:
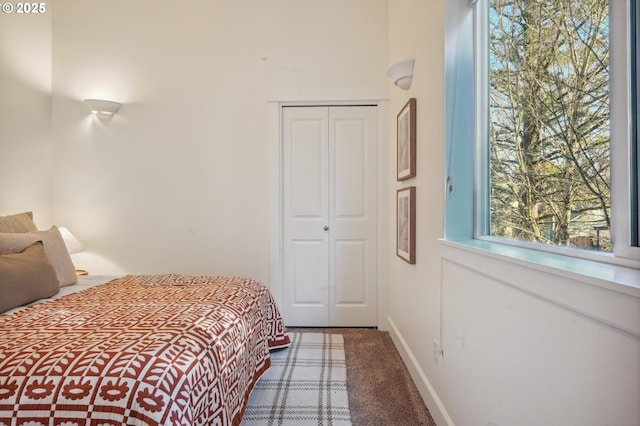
{"x": 401, "y": 73}
{"x": 101, "y": 108}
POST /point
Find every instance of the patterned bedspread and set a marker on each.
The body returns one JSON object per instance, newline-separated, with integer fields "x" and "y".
{"x": 141, "y": 350}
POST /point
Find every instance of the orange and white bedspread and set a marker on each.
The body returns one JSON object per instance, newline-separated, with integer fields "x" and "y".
{"x": 140, "y": 350}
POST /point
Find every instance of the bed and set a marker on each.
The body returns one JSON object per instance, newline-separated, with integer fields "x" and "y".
{"x": 157, "y": 350}
{"x": 166, "y": 349}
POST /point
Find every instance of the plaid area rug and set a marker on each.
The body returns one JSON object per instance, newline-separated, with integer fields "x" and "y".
{"x": 306, "y": 384}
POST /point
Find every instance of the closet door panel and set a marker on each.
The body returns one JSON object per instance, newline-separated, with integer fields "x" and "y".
{"x": 305, "y": 208}
{"x": 353, "y": 145}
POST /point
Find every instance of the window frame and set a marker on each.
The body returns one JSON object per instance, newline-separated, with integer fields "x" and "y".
{"x": 624, "y": 76}
{"x": 635, "y": 120}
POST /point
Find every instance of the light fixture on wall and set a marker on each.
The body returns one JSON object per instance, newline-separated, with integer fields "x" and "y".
{"x": 101, "y": 108}
{"x": 401, "y": 73}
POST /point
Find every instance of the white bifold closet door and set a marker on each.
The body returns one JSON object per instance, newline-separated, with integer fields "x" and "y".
{"x": 329, "y": 216}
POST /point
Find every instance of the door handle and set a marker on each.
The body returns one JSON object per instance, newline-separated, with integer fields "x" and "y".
{"x": 326, "y": 228}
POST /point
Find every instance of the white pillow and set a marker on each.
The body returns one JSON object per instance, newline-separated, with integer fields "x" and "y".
{"x": 54, "y": 248}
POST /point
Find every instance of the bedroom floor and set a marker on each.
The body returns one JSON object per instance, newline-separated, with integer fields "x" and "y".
{"x": 381, "y": 391}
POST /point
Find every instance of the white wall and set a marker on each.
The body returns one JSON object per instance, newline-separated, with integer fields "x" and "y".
{"x": 523, "y": 345}
{"x": 527, "y": 346}
{"x": 25, "y": 112}
{"x": 179, "y": 179}
{"x": 416, "y": 29}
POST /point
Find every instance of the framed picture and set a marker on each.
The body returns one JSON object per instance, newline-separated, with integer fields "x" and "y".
{"x": 406, "y": 224}
{"x": 406, "y": 125}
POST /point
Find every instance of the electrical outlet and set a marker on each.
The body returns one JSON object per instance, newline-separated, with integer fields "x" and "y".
{"x": 438, "y": 353}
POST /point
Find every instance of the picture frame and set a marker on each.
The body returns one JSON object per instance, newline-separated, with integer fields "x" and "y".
{"x": 406, "y": 224}
{"x": 406, "y": 140}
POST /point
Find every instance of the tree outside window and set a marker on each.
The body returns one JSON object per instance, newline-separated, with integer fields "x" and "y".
{"x": 549, "y": 122}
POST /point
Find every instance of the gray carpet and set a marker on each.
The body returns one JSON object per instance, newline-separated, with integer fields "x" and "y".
{"x": 381, "y": 391}
{"x": 306, "y": 384}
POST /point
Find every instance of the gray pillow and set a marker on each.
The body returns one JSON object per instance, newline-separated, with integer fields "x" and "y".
{"x": 54, "y": 248}
{"x": 25, "y": 277}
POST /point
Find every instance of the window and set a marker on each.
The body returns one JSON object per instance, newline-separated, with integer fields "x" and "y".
{"x": 557, "y": 155}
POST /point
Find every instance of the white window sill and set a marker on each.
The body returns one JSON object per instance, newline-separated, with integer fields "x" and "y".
{"x": 603, "y": 292}
{"x": 613, "y": 277}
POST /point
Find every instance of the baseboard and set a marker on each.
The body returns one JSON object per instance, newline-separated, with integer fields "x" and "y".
{"x": 428, "y": 393}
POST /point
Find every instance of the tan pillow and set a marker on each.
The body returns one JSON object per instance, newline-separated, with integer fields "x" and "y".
{"x": 54, "y": 248}
{"x": 25, "y": 277}
{"x": 21, "y": 222}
